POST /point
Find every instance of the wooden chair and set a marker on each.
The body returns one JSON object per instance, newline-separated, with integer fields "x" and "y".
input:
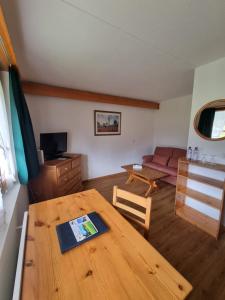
{"x": 139, "y": 217}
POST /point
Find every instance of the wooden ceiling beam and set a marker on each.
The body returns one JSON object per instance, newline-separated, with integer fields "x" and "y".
{"x": 41, "y": 89}
{"x": 7, "y": 54}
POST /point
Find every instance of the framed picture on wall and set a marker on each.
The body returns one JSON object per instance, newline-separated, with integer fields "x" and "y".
{"x": 107, "y": 122}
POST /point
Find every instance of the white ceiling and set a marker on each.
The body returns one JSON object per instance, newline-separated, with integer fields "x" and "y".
{"x": 136, "y": 48}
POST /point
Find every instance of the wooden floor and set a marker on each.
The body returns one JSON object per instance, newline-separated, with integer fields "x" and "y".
{"x": 196, "y": 255}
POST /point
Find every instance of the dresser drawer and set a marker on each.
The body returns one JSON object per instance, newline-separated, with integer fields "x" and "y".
{"x": 66, "y": 183}
{"x": 74, "y": 172}
{"x": 76, "y": 163}
{"x": 73, "y": 176}
{"x": 64, "y": 169}
{"x": 64, "y": 179}
{"x": 77, "y": 178}
{"x": 76, "y": 188}
{"x": 65, "y": 188}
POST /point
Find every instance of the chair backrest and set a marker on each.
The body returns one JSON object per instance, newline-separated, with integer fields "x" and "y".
{"x": 138, "y": 200}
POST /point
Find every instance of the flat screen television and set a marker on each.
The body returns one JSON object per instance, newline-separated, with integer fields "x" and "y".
{"x": 53, "y": 144}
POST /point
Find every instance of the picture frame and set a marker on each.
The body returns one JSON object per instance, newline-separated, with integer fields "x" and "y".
{"x": 107, "y": 123}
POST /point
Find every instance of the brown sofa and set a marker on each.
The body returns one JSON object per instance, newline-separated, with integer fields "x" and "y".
{"x": 165, "y": 159}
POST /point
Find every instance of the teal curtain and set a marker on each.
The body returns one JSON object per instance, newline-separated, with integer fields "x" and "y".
{"x": 205, "y": 125}
{"x": 23, "y": 135}
{"x": 18, "y": 141}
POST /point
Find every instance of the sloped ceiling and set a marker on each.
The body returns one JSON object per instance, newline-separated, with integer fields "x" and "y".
{"x": 145, "y": 49}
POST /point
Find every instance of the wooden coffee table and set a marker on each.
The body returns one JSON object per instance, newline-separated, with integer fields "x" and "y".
{"x": 146, "y": 174}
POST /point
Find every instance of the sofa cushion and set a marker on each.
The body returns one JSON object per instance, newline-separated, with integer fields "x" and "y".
{"x": 161, "y": 160}
{"x": 165, "y": 169}
{"x": 147, "y": 158}
{"x": 177, "y": 152}
{"x": 173, "y": 162}
{"x": 164, "y": 151}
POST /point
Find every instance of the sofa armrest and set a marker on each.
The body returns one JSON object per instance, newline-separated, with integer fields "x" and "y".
{"x": 147, "y": 158}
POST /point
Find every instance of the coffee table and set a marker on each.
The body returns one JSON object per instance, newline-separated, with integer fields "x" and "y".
{"x": 146, "y": 174}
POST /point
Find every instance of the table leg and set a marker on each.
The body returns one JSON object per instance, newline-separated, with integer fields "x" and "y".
{"x": 130, "y": 179}
{"x": 155, "y": 186}
{"x": 152, "y": 186}
{"x": 149, "y": 189}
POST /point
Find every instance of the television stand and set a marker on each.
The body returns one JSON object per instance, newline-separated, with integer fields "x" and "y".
{"x": 58, "y": 177}
{"x": 61, "y": 158}
{"x": 55, "y": 156}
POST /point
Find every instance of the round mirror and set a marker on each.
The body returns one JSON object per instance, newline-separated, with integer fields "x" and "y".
{"x": 209, "y": 121}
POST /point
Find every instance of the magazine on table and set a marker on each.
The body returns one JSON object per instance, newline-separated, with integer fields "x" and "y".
{"x": 79, "y": 230}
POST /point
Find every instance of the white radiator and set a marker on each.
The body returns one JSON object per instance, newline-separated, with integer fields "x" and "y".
{"x": 19, "y": 268}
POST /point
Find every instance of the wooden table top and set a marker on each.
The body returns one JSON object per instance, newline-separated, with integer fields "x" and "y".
{"x": 119, "y": 264}
{"x": 145, "y": 172}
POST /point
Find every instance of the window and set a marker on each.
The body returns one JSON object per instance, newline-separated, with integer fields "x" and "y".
{"x": 218, "y": 130}
{"x": 7, "y": 170}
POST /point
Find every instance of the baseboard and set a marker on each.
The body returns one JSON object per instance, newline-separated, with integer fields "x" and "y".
{"x": 104, "y": 177}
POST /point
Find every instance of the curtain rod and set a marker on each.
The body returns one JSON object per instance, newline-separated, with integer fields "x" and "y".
{"x": 2, "y": 44}
{"x": 7, "y": 55}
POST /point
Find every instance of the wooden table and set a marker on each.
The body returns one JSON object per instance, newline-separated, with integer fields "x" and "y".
{"x": 119, "y": 264}
{"x": 146, "y": 174}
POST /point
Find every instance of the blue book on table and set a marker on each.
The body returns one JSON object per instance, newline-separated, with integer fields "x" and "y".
{"x": 80, "y": 230}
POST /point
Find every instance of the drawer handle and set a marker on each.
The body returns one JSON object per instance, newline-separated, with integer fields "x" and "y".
{"x": 65, "y": 169}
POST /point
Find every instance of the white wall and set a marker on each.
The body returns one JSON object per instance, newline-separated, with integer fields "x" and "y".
{"x": 102, "y": 155}
{"x": 171, "y": 122}
{"x": 209, "y": 85}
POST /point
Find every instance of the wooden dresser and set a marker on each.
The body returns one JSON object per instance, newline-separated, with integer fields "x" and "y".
{"x": 57, "y": 178}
